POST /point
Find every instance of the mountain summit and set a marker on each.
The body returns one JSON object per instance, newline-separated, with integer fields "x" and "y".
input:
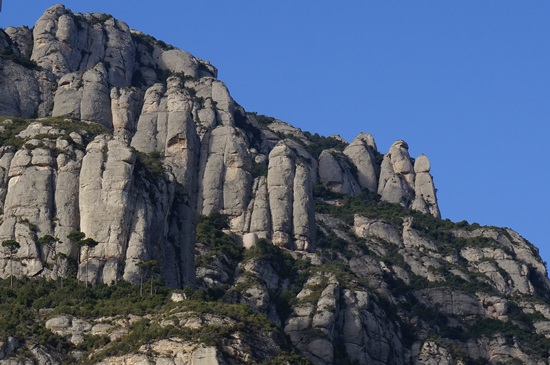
{"x": 124, "y": 160}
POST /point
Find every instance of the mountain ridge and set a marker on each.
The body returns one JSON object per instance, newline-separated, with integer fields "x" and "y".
{"x": 141, "y": 148}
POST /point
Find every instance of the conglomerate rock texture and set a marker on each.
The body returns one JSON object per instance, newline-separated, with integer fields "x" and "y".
{"x": 163, "y": 102}
{"x": 137, "y": 145}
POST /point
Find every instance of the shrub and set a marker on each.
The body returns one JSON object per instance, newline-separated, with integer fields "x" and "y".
{"x": 263, "y": 120}
{"x": 150, "y": 164}
{"x": 320, "y": 143}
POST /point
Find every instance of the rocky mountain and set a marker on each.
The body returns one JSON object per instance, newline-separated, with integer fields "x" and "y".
{"x": 125, "y": 163}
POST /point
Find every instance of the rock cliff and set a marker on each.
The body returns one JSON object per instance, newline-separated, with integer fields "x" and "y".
{"x": 126, "y": 161}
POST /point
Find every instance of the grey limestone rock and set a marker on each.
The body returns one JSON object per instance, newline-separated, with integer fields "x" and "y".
{"x": 85, "y": 96}
{"x": 65, "y": 43}
{"x": 452, "y": 302}
{"x": 281, "y": 128}
{"x": 361, "y": 152}
{"x": 177, "y": 60}
{"x": 367, "y": 227}
{"x": 369, "y": 338}
{"x": 125, "y": 103}
{"x": 396, "y": 184}
{"x": 258, "y": 215}
{"x": 434, "y": 354}
{"x": 289, "y": 184}
{"x": 21, "y": 38}
{"x": 509, "y": 263}
{"x": 224, "y": 175}
{"x": 336, "y": 173}
{"x": 326, "y": 313}
{"x": 402, "y": 183}
{"x": 105, "y": 182}
{"x": 20, "y": 91}
{"x": 318, "y": 315}
{"x": 425, "y": 200}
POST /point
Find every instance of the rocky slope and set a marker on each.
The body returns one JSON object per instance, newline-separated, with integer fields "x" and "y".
{"x": 316, "y": 250}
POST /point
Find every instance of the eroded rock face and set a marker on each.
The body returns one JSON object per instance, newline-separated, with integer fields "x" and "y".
{"x": 20, "y": 91}
{"x": 105, "y": 183}
{"x": 176, "y": 146}
{"x": 289, "y": 184}
{"x": 336, "y": 173}
{"x": 402, "y": 183}
{"x": 361, "y": 152}
{"x": 433, "y": 354}
{"x": 425, "y": 200}
{"x": 326, "y": 314}
{"x": 397, "y": 175}
{"x": 225, "y": 177}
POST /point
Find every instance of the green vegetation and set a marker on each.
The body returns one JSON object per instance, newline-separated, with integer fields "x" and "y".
{"x": 11, "y": 129}
{"x": 285, "y": 266}
{"x": 320, "y": 143}
{"x": 527, "y": 338}
{"x": 152, "y": 267}
{"x": 164, "y": 74}
{"x": 26, "y": 62}
{"x": 70, "y": 125}
{"x": 148, "y": 40}
{"x": 101, "y": 18}
{"x": 218, "y": 251}
{"x": 286, "y": 358}
{"x": 259, "y": 169}
{"x": 330, "y": 240}
{"x": 11, "y": 246}
{"x": 366, "y": 204}
{"x": 210, "y": 233}
{"x": 12, "y": 126}
{"x": 150, "y": 163}
{"x": 78, "y": 238}
{"x": 20, "y": 317}
{"x": 283, "y": 263}
{"x": 19, "y": 309}
{"x": 263, "y": 120}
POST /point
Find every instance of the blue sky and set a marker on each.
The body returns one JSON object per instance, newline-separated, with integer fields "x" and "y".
{"x": 465, "y": 82}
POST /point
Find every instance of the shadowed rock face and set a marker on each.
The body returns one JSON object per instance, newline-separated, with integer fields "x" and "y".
{"x": 134, "y": 142}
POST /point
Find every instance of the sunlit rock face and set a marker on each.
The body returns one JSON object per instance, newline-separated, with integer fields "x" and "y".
{"x": 293, "y": 247}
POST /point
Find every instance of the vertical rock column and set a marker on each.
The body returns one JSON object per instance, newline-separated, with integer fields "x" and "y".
{"x": 181, "y": 155}
{"x": 105, "y": 182}
{"x": 361, "y": 153}
{"x": 289, "y": 184}
{"x": 166, "y": 126}
{"x": 28, "y": 208}
{"x": 225, "y": 184}
{"x": 425, "y": 200}
{"x": 396, "y": 183}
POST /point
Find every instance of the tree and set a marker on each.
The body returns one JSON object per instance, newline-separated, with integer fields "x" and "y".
{"x": 89, "y": 243}
{"x": 150, "y": 265}
{"x": 58, "y": 256}
{"x": 12, "y": 246}
{"x": 47, "y": 240}
{"x": 78, "y": 238}
{"x": 50, "y": 241}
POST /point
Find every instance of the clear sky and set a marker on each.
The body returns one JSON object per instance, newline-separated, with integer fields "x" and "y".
{"x": 465, "y": 82}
